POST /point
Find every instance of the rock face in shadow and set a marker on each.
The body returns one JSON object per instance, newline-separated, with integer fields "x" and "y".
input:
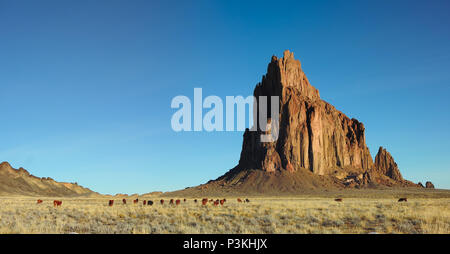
{"x": 312, "y": 133}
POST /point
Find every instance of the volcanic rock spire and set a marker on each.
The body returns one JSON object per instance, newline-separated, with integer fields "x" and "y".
{"x": 312, "y": 133}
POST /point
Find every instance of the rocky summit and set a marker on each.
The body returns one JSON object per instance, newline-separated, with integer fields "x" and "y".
{"x": 318, "y": 146}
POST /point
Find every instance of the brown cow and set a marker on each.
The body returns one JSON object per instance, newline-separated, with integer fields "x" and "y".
{"x": 39, "y": 201}
{"x": 149, "y": 202}
{"x": 162, "y": 201}
{"x": 204, "y": 201}
{"x": 216, "y": 203}
{"x": 57, "y": 203}
{"x": 239, "y": 200}
{"x": 403, "y": 200}
{"x": 124, "y": 201}
{"x": 338, "y": 199}
{"x": 111, "y": 203}
{"x": 144, "y": 202}
{"x": 177, "y": 202}
{"x": 171, "y": 202}
{"x": 222, "y": 201}
{"x": 135, "y": 201}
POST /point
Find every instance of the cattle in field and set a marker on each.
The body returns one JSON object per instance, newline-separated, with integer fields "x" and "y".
{"x": 239, "y": 200}
{"x": 211, "y": 200}
{"x": 57, "y": 203}
{"x": 247, "y": 200}
{"x": 177, "y": 202}
{"x": 184, "y": 200}
{"x": 39, "y": 201}
{"x": 216, "y": 203}
{"x": 338, "y": 199}
{"x": 144, "y": 202}
{"x": 149, "y": 202}
{"x": 111, "y": 203}
{"x": 204, "y": 201}
{"x": 135, "y": 201}
{"x": 124, "y": 201}
{"x": 195, "y": 200}
{"x": 403, "y": 200}
{"x": 222, "y": 201}
{"x": 171, "y": 202}
{"x": 162, "y": 201}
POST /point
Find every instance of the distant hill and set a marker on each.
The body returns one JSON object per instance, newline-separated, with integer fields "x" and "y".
{"x": 21, "y": 182}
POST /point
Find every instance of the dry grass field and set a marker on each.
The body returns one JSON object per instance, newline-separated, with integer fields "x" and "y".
{"x": 261, "y": 215}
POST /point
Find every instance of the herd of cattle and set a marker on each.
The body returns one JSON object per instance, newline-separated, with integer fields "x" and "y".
{"x": 204, "y": 201}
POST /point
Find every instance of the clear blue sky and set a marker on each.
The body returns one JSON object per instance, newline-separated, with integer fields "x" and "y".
{"x": 86, "y": 86}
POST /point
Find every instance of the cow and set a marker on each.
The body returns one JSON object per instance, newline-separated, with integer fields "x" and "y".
{"x": 171, "y": 202}
{"x": 239, "y": 200}
{"x": 222, "y": 201}
{"x": 211, "y": 200}
{"x": 111, "y": 203}
{"x": 162, "y": 201}
{"x": 39, "y": 201}
{"x": 135, "y": 201}
{"x": 144, "y": 202}
{"x": 247, "y": 200}
{"x": 184, "y": 200}
{"x": 204, "y": 201}
{"x": 57, "y": 203}
{"x": 195, "y": 200}
{"x": 338, "y": 199}
{"x": 177, "y": 202}
{"x": 124, "y": 201}
{"x": 403, "y": 200}
{"x": 149, "y": 202}
{"x": 216, "y": 203}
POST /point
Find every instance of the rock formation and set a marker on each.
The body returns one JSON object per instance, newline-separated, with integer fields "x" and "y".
{"x": 21, "y": 182}
{"x": 312, "y": 133}
{"x": 318, "y": 147}
{"x": 385, "y": 165}
{"x": 429, "y": 185}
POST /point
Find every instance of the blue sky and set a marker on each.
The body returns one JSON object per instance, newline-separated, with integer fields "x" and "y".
{"x": 86, "y": 86}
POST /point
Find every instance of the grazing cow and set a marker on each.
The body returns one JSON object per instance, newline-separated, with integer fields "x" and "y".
{"x": 184, "y": 200}
{"x": 111, "y": 203}
{"x": 204, "y": 201}
{"x": 239, "y": 200}
{"x": 403, "y": 200}
{"x": 162, "y": 201}
{"x": 195, "y": 200}
{"x": 135, "y": 201}
{"x": 338, "y": 199}
{"x": 144, "y": 202}
{"x": 57, "y": 203}
{"x": 222, "y": 201}
{"x": 124, "y": 201}
{"x": 39, "y": 201}
{"x": 216, "y": 203}
{"x": 149, "y": 202}
{"x": 177, "y": 202}
{"x": 211, "y": 200}
{"x": 171, "y": 202}
{"x": 246, "y": 200}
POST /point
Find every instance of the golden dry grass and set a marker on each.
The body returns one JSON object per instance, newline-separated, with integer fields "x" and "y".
{"x": 261, "y": 215}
